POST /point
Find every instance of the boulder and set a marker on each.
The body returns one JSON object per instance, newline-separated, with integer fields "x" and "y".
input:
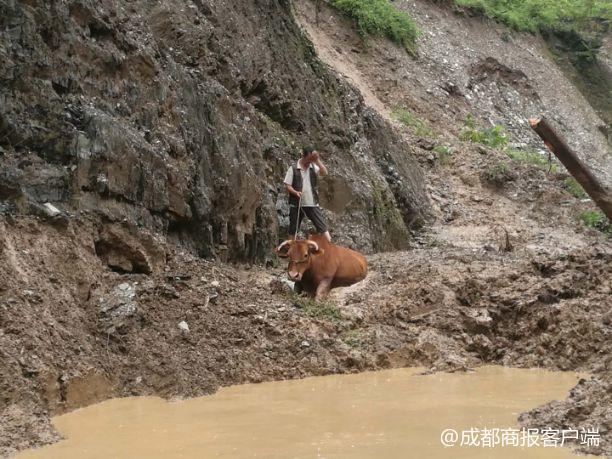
{"x": 127, "y": 249}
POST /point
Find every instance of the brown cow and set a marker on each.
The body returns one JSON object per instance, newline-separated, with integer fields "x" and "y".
{"x": 318, "y": 265}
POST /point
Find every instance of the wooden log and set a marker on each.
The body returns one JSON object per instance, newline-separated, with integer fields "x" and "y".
{"x": 574, "y": 165}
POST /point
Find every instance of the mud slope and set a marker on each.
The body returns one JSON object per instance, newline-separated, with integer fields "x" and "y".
{"x": 486, "y": 201}
{"x": 74, "y": 332}
{"x": 192, "y": 102}
{"x": 465, "y": 66}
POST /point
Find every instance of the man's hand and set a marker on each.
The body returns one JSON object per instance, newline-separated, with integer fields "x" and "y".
{"x": 291, "y": 190}
{"x": 317, "y": 160}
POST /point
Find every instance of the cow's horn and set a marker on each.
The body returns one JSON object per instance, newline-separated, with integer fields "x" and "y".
{"x": 280, "y": 247}
{"x": 314, "y": 244}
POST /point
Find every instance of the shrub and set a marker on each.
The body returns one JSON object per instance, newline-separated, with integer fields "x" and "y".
{"x": 380, "y": 18}
{"x": 574, "y": 188}
{"x": 494, "y": 137}
{"x": 596, "y": 220}
{"x": 418, "y": 126}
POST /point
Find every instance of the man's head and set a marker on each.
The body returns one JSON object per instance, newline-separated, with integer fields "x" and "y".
{"x": 309, "y": 154}
{"x": 300, "y": 255}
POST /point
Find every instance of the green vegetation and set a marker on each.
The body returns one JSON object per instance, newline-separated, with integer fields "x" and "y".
{"x": 545, "y": 15}
{"x": 380, "y": 18}
{"x": 322, "y": 309}
{"x": 417, "y": 125}
{"x": 574, "y": 188}
{"x": 444, "y": 154}
{"x": 353, "y": 338}
{"x": 530, "y": 157}
{"x": 494, "y": 136}
{"x": 497, "y": 174}
{"x": 596, "y": 220}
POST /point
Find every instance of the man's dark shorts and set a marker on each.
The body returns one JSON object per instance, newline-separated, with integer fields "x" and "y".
{"x": 314, "y": 214}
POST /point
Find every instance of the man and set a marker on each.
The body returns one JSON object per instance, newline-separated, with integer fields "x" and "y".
{"x": 301, "y": 184}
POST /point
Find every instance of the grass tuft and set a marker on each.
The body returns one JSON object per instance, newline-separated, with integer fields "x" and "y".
{"x": 596, "y": 220}
{"x": 530, "y": 157}
{"x": 574, "y": 188}
{"x": 353, "y": 339}
{"x": 322, "y": 309}
{"x": 497, "y": 174}
{"x": 494, "y": 136}
{"x": 419, "y": 127}
{"x": 381, "y": 18}
{"x": 445, "y": 155}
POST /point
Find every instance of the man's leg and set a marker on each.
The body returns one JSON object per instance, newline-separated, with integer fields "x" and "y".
{"x": 316, "y": 217}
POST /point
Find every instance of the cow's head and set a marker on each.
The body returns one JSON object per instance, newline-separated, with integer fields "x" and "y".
{"x": 300, "y": 255}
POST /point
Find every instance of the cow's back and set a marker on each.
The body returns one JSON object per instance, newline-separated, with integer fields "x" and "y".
{"x": 352, "y": 267}
{"x": 346, "y": 266}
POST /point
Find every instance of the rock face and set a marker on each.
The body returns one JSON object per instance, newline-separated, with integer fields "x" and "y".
{"x": 129, "y": 250}
{"x": 182, "y": 117}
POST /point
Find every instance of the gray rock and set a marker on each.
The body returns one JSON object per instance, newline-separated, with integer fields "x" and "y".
{"x": 116, "y": 307}
{"x": 51, "y": 210}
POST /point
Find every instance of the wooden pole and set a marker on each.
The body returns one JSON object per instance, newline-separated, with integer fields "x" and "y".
{"x": 579, "y": 170}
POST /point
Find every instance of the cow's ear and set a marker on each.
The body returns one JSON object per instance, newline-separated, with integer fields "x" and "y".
{"x": 283, "y": 249}
{"x": 314, "y": 248}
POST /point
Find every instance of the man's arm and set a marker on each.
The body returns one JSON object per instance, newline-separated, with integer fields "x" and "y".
{"x": 292, "y": 191}
{"x": 322, "y": 169}
{"x": 288, "y": 181}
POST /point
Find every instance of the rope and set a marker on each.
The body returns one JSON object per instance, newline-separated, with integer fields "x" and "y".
{"x": 297, "y": 221}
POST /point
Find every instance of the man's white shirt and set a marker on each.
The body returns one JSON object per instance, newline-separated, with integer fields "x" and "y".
{"x": 307, "y": 196}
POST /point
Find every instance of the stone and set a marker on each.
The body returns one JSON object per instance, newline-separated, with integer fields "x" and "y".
{"x": 281, "y": 285}
{"x": 125, "y": 248}
{"x": 116, "y": 307}
{"x": 51, "y": 210}
{"x": 213, "y": 297}
{"x": 183, "y": 326}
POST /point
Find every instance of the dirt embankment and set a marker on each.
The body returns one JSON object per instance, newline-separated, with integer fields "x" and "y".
{"x": 74, "y": 332}
{"x": 93, "y": 307}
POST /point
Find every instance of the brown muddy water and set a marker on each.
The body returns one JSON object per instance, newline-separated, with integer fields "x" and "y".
{"x": 386, "y": 414}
